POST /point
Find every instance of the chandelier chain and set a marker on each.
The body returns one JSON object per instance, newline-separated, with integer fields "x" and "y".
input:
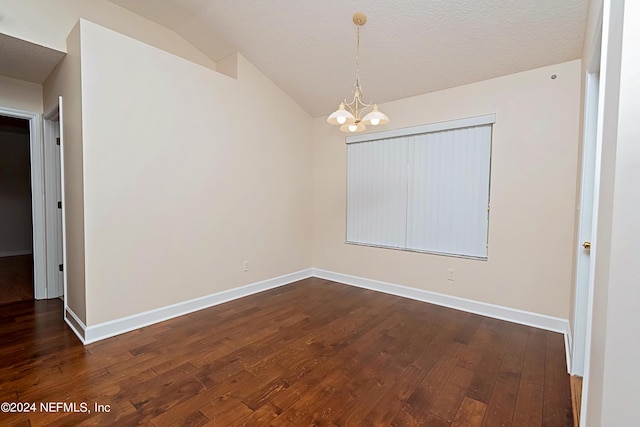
{"x": 358, "y": 58}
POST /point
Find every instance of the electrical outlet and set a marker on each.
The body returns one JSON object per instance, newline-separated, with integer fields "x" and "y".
{"x": 451, "y": 276}
{"x": 246, "y": 266}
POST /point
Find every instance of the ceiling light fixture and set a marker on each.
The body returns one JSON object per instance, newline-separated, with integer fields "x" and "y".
{"x": 349, "y": 115}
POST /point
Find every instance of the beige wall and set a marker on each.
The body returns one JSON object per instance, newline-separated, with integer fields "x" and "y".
{"x": 533, "y": 179}
{"x": 65, "y": 81}
{"x": 20, "y": 95}
{"x": 49, "y": 22}
{"x": 186, "y": 174}
{"x": 613, "y": 383}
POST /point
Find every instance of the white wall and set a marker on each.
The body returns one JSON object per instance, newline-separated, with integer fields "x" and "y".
{"x": 621, "y": 386}
{"x": 614, "y": 381}
{"x": 48, "y": 23}
{"x": 20, "y": 95}
{"x": 533, "y": 180}
{"x": 186, "y": 174}
{"x": 15, "y": 194}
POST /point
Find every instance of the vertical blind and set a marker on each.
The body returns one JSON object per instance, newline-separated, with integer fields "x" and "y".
{"x": 425, "y": 191}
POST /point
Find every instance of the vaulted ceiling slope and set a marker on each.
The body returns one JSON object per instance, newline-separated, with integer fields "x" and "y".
{"x": 27, "y": 61}
{"x": 410, "y": 47}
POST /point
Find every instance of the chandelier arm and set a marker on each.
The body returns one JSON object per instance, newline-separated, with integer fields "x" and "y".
{"x": 357, "y": 107}
{"x": 364, "y": 104}
{"x": 364, "y": 109}
{"x": 351, "y": 110}
{"x": 350, "y": 106}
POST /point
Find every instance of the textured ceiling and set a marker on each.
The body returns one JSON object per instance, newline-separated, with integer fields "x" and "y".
{"x": 26, "y": 61}
{"x": 307, "y": 47}
{"x": 410, "y": 47}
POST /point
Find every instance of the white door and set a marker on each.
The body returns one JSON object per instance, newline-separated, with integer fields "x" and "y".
{"x": 62, "y": 232}
{"x": 53, "y": 190}
{"x": 586, "y": 224}
{"x": 59, "y": 283}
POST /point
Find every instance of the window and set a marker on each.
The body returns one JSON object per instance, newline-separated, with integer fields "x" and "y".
{"x": 424, "y": 188}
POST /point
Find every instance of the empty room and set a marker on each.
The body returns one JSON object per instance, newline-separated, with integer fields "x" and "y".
{"x": 336, "y": 213}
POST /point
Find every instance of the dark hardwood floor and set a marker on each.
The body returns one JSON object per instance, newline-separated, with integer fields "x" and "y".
{"x": 16, "y": 278}
{"x": 310, "y": 353}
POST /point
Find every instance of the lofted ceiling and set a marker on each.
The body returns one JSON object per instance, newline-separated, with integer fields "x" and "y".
{"x": 27, "y": 61}
{"x": 409, "y": 47}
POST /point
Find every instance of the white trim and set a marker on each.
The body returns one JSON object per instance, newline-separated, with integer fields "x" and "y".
{"x": 433, "y": 127}
{"x": 541, "y": 321}
{"x": 568, "y": 349}
{"x": 51, "y": 130}
{"x": 63, "y": 199}
{"x": 81, "y": 327}
{"x": 93, "y": 333}
{"x": 15, "y": 253}
{"x": 37, "y": 197}
{"x": 38, "y": 209}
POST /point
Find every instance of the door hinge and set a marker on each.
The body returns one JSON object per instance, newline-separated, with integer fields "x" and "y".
{"x": 59, "y": 205}
{"x": 60, "y": 267}
{"x": 58, "y": 141}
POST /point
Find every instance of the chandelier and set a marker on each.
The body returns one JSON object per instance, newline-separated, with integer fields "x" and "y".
{"x": 349, "y": 116}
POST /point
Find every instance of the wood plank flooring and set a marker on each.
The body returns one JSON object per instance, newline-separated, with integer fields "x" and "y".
{"x": 311, "y": 353}
{"x": 16, "y": 278}
{"x": 575, "y": 382}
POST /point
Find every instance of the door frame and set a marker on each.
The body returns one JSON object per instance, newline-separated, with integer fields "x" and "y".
{"x": 37, "y": 198}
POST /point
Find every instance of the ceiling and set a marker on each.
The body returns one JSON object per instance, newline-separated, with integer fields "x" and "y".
{"x": 410, "y": 47}
{"x": 27, "y": 61}
{"x": 307, "y": 47}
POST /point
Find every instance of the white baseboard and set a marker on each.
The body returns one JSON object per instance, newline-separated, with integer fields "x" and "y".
{"x": 536, "y": 320}
{"x": 77, "y": 326}
{"x": 568, "y": 348}
{"x": 93, "y": 333}
{"x": 15, "y": 253}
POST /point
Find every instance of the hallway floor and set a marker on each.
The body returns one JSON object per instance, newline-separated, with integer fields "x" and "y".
{"x": 16, "y": 278}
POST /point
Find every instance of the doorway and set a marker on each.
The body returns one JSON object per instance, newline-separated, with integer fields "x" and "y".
{"x": 587, "y": 228}
{"x": 16, "y": 222}
{"x": 43, "y": 178}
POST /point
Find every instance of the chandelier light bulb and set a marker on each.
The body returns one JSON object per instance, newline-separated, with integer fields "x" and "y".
{"x": 375, "y": 117}
{"x": 341, "y": 116}
{"x": 353, "y": 128}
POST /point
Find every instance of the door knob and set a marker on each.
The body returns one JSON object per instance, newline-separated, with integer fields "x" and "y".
{"x": 586, "y": 245}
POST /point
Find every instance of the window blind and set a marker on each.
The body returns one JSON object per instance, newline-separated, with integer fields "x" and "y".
{"x": 425, "y": 191}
